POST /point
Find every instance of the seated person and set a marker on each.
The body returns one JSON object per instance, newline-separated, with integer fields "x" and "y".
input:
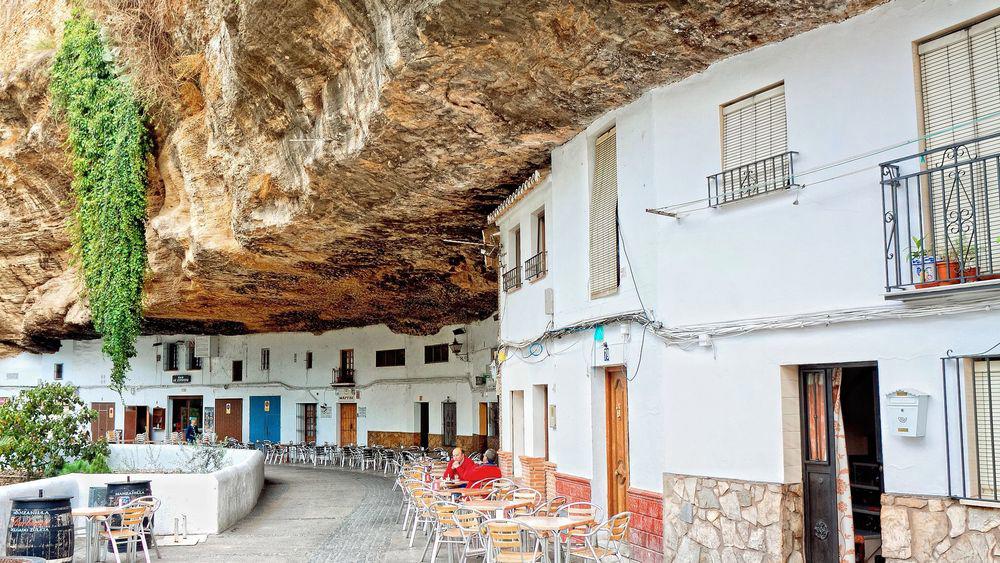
{"x": 459, "y": 467}
{"x": 488, "y": 470}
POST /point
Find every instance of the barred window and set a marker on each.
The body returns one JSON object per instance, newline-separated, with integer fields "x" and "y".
{"x": 265, "y": 359}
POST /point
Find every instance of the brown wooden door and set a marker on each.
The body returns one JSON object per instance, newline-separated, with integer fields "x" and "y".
{"x": 131, "y": 417}
{"x": 617, "y": 419}
{"x": 309, "y": 422}
{"x": 104, "y": 422}
{"x": 819, "y": 467}
{"x": 348, "y": 423}
{"x": 229, "y": 419}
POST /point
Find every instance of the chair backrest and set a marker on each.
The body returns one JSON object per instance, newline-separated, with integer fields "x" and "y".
{"x": 617, "y": 526}
{"x": 503, "y": 484}
{"x": 131, "y": 514}
{"x": 582, "y": 510}
{"x": 552, "y": 507}
{"x": 469, "y": 519}
{"x": 524, "y": 494}
{"x": 511, "y": 536}
{"x": 443, "y": 512}
{"x": 150, "y": 501}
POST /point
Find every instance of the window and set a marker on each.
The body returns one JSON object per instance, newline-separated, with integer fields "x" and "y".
{"x": 512, "y": 276}
{"x": 345, "y": 373}
{"x": 171, "y": 362}
{"x": 755, "y": 156}
{"x": 237, "y": 370}
{"x": 960, "y": 99}
{"x": 435, "y": 353}
{"x": 535, "y": 266}
{"x": 193, "y": 362}
{"x": 57, "y": 374}
{"x": 754, "y": 128}
{"x": 985, "y": 433}
{"x": 390, "y": 358}
{"x": 265, "y": 359}
{"x": 309, "y": 360}
{"x": 604, "y": 274}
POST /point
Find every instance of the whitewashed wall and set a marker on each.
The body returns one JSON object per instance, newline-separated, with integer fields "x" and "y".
{"x": 387, "y": 394}
{"x": 716, "y": 411}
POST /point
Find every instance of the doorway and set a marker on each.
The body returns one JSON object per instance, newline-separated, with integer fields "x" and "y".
{"x": 104, "y": 422}
{"x": 449, "y": 424}
{"x": 265, "y": 419}
{"x": 307, "y": 423}
{"x": 348, "y": 424}
{"x": 517, "y": 428}
{"x": 617, "y": 436}
{"x": 229, "y": 419}
{"x": 840, "y": 430}
{"x": 184, "y": 410}
{"x": 423, "y": 424}
{"x": 136, "y": 422}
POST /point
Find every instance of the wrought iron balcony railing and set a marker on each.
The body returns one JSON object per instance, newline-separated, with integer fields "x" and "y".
{"x": 767, "y": 175}
{"x": 343, "y": 376}
{"x": 512, "y": 278}
{"x": 535, "y": 266}
{"x": 941, "y": 210}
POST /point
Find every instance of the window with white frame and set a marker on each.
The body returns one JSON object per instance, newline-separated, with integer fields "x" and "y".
{"x": 604, "y": 269}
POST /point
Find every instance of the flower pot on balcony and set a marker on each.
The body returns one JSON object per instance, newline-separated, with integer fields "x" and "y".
{"x": 945, "y": 272}
{"x": 922, "y": 270}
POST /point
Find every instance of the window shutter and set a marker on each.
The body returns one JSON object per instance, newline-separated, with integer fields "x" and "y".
{"x": 604, "y": 217}
{"x": 986, "y": 396}
{"x": 960, "y": 84}
{"x": 754, "y": 128}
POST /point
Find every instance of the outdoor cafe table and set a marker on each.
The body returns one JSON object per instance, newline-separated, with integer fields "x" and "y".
{"x": 93, "y": 514}
{"x": 500, "y": 507}
{"x": 554, "y": 525}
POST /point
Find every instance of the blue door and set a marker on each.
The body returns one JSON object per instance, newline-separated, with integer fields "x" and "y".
{"x": 265, "y": 419}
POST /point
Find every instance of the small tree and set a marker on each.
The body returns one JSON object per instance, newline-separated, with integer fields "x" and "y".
{"x": 44, "y": 427}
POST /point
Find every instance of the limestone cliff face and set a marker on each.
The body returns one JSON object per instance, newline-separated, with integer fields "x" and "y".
{"x": 312, "y": 154}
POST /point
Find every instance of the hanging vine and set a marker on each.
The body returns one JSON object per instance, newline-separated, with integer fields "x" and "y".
{"x": 110, "y": 146}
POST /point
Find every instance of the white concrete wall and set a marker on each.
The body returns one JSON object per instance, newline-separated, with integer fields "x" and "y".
{"x": 716, "y": 411}
{"x": 386, "y": 394}
{"x": 212, "y": 502}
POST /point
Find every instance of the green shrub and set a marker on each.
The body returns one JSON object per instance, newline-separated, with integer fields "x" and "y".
{"x": 43, "y": 427}
{"x": 110, "y": 146}
{"x": 99, "y": 464}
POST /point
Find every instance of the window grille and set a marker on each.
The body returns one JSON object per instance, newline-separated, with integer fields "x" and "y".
{"x": 265, "y": 359}
{"x": 390, "y": 358}
{"x": 604, "y": 267}
{"x": 972, "y": 425}
{"x": 171, "y": 362}
{"x": 309, "y": 360}
{"x": 960, "y": 101}
{"x": 58, "y": 373}
{"x": 435, "y": 353}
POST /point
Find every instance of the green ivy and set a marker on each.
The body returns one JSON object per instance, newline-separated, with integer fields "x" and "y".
{"x": 110, "y": 146}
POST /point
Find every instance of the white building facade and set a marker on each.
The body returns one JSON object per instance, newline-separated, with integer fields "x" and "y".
{"x": 352, "y": 386}
{"x": 721, "y": 357}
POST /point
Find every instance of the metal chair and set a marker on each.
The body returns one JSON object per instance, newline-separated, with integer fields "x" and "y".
{"x": 444, "y": 531}
{"x": 126, "y": 524}
{"x": 551, "y": 507}
{"x": 615, "y": 543}
{"x": 508, "y": 542}
{"x": 154, "y": 504}
{"x": 582, "y": 510}
{"x": 468, "y": 521}
{"x": 524, "y": 494}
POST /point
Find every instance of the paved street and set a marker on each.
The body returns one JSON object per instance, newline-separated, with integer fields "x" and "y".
{"x": 311, "y": 515}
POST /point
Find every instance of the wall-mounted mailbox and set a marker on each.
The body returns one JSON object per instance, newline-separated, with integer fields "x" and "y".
{"x": 907, "y": 412}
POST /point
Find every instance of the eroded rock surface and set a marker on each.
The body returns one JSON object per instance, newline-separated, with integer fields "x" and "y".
{"x": 317, "y": 152}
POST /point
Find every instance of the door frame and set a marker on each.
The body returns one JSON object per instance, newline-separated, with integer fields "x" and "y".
{"x": 830, "y": 445}
{"x": 610, "y": 374}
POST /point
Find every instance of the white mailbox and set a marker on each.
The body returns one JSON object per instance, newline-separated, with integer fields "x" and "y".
{"x": 907, "y": 412}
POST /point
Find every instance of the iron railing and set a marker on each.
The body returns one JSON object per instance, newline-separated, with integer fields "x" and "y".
{"x": 535, "y": 266}
{"x": 941, "y": 214}
{"x": 763, "y": 176}
{"x": 512, "y": 278}
{"x": 343, "y": 376}
{"x": 971, "y": 387}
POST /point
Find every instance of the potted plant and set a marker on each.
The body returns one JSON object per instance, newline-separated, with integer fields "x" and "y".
{"x": 922, "y": 265}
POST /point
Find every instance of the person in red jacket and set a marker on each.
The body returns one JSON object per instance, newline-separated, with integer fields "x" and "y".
{"x": 459, "y": 467}
{"x": 488, "y": 470}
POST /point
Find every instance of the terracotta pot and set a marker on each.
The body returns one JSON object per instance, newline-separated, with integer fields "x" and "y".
{"x": 948, "y": 272}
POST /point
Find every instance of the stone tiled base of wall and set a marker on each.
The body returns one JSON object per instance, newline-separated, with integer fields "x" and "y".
{"x": 722, "y": 519}
{"x": 575, "y": 489}
{"x": 938, "y": 529}
{"x": 646, "y": 527}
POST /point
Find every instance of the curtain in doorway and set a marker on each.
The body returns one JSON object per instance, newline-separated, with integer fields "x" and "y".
{"x": 845, "y": 514}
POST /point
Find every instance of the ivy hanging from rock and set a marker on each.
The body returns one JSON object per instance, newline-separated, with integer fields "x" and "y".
{"x": 110, "y": 146}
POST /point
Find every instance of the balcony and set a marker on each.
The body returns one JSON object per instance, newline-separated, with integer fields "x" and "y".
{"x": 343, "y": 376}
{"x": 535, "y": 266}
{"x": 941, "y": 210}
{"x": 767, "y": 175}
{"x": 512, "y": 279}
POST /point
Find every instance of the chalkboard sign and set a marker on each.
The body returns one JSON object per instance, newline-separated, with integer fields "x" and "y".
{"x": 181, "y": 378}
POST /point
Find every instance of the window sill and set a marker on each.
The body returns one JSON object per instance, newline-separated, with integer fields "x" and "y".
{"x": 512, "y": 290}
{"x": 943, "y": 290}
{"x": 979, "y": 503}
{"x": 538, "y": 277}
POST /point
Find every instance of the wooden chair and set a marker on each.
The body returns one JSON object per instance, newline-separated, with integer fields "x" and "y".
{"x": 581, "y": 510}
{"x": 154, "y": 504}
{"x": 551, "y": 507}
{"x": 508, "y": 542}
{"x": 524, "y": 494}
{"x": 468, "y": 521}
{"x": 127, "y": 524}
{"x": 614, "y": 544}
{"x": 445, "y": 532}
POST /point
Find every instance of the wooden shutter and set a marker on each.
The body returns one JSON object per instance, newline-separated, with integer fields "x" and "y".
{"x": 604, "y": 217}
{"x": 754, "y": 128}
{"x": 960, "y": 98}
